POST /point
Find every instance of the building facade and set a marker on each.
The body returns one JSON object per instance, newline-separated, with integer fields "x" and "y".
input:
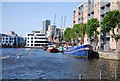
{"x": 79, "y": 13}
{"x": 46, "y": 23}
{"x": 36, "y": 39}
{"x": 54, "y": 33}
{"x": 98, "y": 9}
{"x": 12, "y": 39}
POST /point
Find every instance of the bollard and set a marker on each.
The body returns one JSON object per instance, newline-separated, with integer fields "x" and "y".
{"x": 115, "y": 73}
{"x": 100, "y": 75}
{"x": 80, "y": 76}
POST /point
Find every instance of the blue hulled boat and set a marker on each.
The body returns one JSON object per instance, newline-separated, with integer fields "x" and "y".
{"x": 80, "y": 51}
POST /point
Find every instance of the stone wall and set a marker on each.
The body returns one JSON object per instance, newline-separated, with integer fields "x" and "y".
{"x": 110, "y": 55}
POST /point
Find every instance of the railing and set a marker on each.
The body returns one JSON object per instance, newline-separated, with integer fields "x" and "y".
{"x": 101, "y": 74}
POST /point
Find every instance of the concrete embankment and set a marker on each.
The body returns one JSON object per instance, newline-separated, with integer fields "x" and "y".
{"x": 109, "y": 55}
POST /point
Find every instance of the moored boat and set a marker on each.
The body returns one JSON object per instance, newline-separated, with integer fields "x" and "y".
{"x": 80, "y": 51}
{"x": 52, "y": 49}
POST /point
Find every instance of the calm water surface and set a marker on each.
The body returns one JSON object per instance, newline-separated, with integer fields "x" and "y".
{"x": 22, "y": 63}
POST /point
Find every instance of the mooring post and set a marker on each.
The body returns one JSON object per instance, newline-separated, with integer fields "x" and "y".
{"x": 80, "y": 76}
{"x": 100, "y": 75}
{"x": 115, "y": 73}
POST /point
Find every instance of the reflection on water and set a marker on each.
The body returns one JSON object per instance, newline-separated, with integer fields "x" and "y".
{"x": 38, "y": 64}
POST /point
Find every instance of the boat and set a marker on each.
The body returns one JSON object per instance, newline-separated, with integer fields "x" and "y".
{"x": 85, "y": 51}
{"x": 60, "y": 48}
{"x": 52, "y": 49}
{"x": 45, "y": 48}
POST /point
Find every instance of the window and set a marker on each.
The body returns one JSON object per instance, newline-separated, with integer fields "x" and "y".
{"x": 108, "y": 5}
{"x": 37, "y": 44}
{"x": 102, "y": 15}
{"x": 31, "y": 41}
{"x": 41, "y": 41}
{"x": 40, "y": 35}
{"x": 117, "y": 29}
{"x": 103, "y": 7}
{"x": 98, "y": 3}
{"x": 92, "y": 12}
{"x": 31, "y": 44}
{"x": 95, "y": 5}
{"x": 89, "y": 14}
{"x": 73, "y": 21}
{"x": 78, "y": 13}
{"x": 112, "y": 3}
{"x": 31, "y": 37}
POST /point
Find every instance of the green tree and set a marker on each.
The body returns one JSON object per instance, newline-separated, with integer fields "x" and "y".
{"x": 67, "y": 34}
{"x": 78, "y": 29}
{"x": 91, "y": 29}
{"x": 110, "y": 22}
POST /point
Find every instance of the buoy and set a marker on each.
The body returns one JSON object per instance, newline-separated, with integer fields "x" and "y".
{"x": 18, "y": 57}
{"x": 19, "y": 49}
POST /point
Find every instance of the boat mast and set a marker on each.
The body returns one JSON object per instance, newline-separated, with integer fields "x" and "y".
{"x": 82, "y": 29}
{"x": 61, "y": 21}
{"x": 54, "y": 20}
{"x": 64, "y": 20}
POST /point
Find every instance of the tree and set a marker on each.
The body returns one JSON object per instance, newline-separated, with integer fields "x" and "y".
{"x": 78, "y": 29}
{"x": 110, "y": 22}
{"x": 67, "y": 34}
{"x": 91, "y": 29}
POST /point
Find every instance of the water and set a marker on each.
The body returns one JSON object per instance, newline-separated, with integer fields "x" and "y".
{"x": 22, "y": 63}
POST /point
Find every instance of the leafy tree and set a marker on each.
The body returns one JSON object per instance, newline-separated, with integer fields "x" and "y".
{"x": 110, "y": 22}
{"x": 67, "y": 34}
{"x": 91, "y": 29}
{"x": 78, "y": 29}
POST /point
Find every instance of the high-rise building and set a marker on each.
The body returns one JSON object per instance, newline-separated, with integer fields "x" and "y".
{"x": 46, "y": 23}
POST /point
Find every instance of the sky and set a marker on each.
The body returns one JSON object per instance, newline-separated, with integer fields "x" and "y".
{"x": 24, "y": 17}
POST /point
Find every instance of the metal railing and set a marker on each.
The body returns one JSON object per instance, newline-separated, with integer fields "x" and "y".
{"x": 101, "y": 74}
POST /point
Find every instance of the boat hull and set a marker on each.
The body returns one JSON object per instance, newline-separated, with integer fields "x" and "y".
{"x": 78, "y": 53}
{"x": 54, "y": 50}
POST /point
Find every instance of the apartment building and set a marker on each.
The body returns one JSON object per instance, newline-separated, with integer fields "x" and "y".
{"x": 98, "y": 9}
{"x": 90, "y": 9}
{"x": 12, "y": 39}
{"x": 79, "y": 13}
